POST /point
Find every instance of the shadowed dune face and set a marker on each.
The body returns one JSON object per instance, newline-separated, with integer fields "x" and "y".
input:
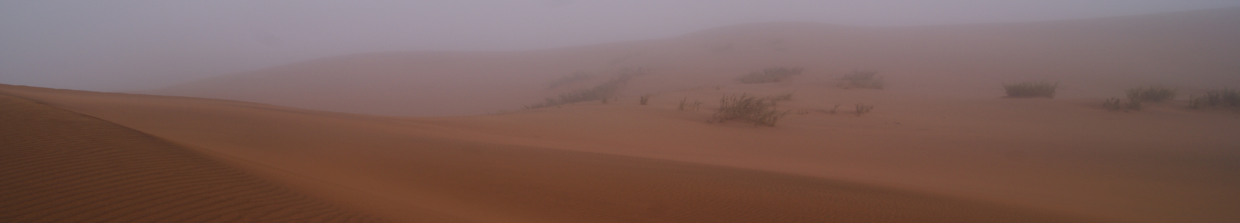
{"x": 1093, "y": 57}
{"x": 60, "y": 166}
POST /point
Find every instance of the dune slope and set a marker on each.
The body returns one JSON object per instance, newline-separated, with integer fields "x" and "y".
{"x": 60, "y": 166}
{"x": 473, "y": 177}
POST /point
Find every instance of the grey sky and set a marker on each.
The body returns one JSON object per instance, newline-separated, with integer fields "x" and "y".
{"x": 129, "y": 45}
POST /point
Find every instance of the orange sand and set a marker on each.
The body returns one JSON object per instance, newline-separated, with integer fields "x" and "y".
{"x": 60, "y": 166}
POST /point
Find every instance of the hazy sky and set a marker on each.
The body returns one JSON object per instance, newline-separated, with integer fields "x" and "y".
{"x": 128, "y": 45}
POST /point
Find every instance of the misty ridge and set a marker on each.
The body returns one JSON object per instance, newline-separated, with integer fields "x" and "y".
{"x": 131, "y": 46}
{"x": 1115, "y": 53}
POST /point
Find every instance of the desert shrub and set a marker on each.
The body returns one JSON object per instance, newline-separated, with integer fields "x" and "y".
{"x": 1030, "y": 89}
{"x": 760, "y": 111}
{"x": 1215, "y": 98}
{"x": 686, "y": 105}
{"x": 1227, "y": 97}
{"x": 774, "y": 74}
{"x": 599, "y": 92}
{"x": 575, "y": 77}
{"x": 1151, "y": 94}
{"x": 833, "y": 109}
{"x": 863, "y": 108}
{"x": 862, "y": 79}
{"x": 644, "y": 99}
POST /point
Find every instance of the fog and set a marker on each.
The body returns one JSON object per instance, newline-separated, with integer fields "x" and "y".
{"x": 136, "y": 45}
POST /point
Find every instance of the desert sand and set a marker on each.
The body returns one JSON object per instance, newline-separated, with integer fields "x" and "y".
{"x": 60, "y": 166}
{"x": 404, "y": 136}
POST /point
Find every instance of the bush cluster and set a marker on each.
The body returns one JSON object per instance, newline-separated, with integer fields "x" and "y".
{"x": 600, "y": 92}
{"x": 760, "y": 111}
{"x": 1215, "y": 98}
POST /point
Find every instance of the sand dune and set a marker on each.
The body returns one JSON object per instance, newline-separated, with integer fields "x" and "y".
{"x": 426, "y": 165}
{"x": 942, "y": 145}
{"x": 59, "y": 166}
{"x": 1091, "y": 57}
{"x": 958, "y": 160}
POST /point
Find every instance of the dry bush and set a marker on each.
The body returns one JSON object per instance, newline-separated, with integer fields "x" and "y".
{"x": 863, "y": 108}
{"x": 862, "y": 79}
{"x": 774, "y": 74}
{"x": 599, "y": 92}
{"x": 1151, "y": 94}
{"x": 760, "y": 111}
{"x": 1216, "y": 98}
{"x": 644, "y": 99}
{"x": 1030, "y": 89}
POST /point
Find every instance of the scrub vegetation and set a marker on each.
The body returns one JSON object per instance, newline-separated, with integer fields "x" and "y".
{"x": 602, "y": 91}
{"x": 1215, "y": 98}
{"x": 759, "y": 111}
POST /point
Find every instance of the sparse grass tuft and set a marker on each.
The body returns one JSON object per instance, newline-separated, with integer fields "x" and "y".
{"x": 760, "y": 111}
{"x": 862, "y": 79}
{"x": 863, "y": 108}
{"x": 767, "y": 75}
{"x": 1030, "y": 89}
{"x": 1151, "y": 94}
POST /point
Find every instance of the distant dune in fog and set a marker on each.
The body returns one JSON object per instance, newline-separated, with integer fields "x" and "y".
{"x": 1091, "y": 57}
